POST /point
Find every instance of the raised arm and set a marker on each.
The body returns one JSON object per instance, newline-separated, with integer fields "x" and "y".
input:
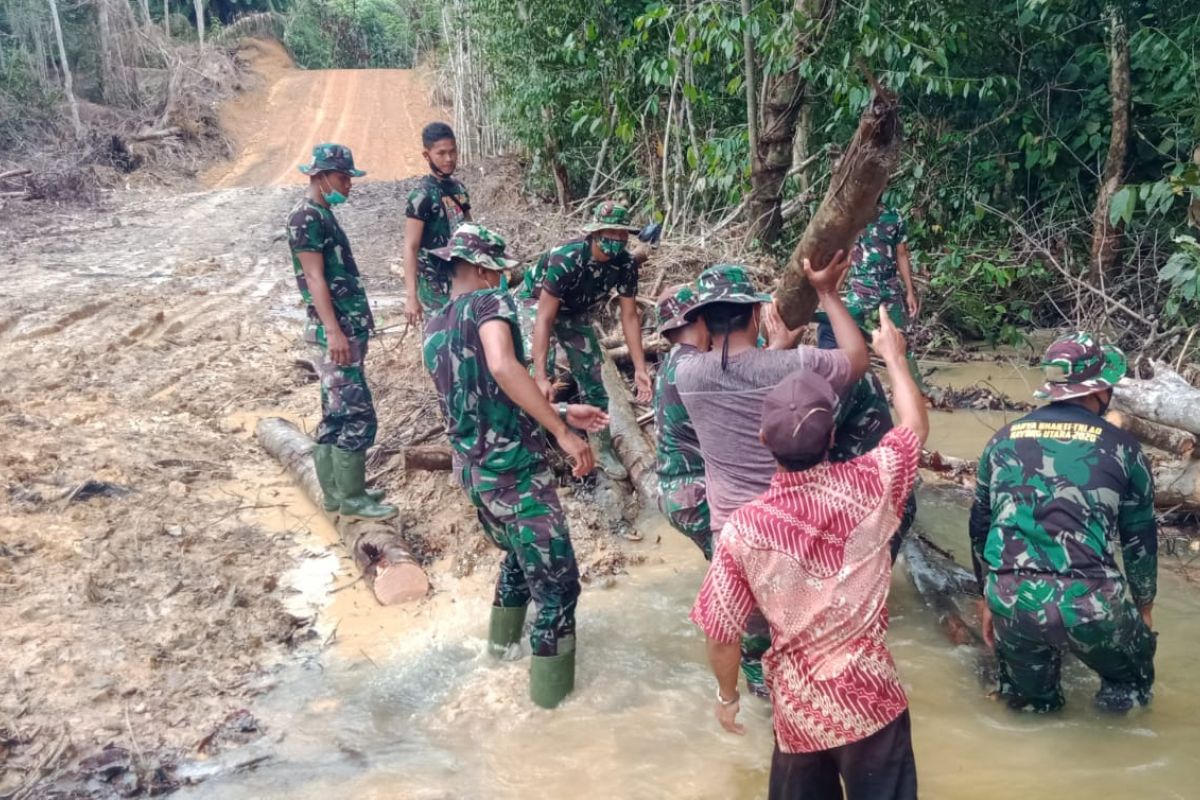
{"x": 889, "y": 343}
{"x": 514, "y": 381}
{"x": 850, "y": 339}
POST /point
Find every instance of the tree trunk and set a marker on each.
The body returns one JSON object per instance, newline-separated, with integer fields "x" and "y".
{"x": 429, "y": 458}
{"x": 1167, "y": 399}
{"x": 108, "y": 71}
{"x": 1177, "y": 485}
{"x": 1106, "y": 237}
{"x": 66, "y": 68}
{"x": 629, "y": 441}
{"x": 941, "y": 582}
{"x": 388, "y": 567}
{"x": 749, "y": 68}
{"x": 858, "y": 179}
{"x": 147, "y": 21}
{"x": 1170, "y": 440}
{"x": 200, "y": 21}
{"x": 166, "y": 19}
{"x": 772, "y": 152}
{"x": 562, "y": 185}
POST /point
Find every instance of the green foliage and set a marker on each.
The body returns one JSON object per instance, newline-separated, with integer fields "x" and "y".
{"x": 348, "y": 34}
{"x": 1181, "y": 273}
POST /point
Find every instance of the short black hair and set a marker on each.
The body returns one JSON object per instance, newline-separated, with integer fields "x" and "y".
{"x": 725, "y": 318}
{"x": 801, "y": 464}
{"x": 434, "y": 132}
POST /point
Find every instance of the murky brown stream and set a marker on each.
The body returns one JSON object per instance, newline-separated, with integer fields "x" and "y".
{"x": 429, "y": 715}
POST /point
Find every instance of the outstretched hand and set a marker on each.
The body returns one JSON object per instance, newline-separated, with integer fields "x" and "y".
{"x": 779, "y": 336}
{"x": 886, "y": 340}
{"x": 643, "y": 385}
{"x": 586, "y": 418}
{"x": 827, "y": 279}
{"x": 579, "y": 453}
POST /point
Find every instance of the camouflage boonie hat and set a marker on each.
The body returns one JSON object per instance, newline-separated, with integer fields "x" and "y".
{"x": 1077, "y": 365}
{"x": 727, "y": 283}
{"x": 330, "y": 157}
{"x": 610, "y": 216}
{"x": 674, "y": 305}
{"x": 477, "y": 245}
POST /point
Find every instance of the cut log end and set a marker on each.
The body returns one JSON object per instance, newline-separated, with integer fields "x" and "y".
{"x": 399, "y": 583}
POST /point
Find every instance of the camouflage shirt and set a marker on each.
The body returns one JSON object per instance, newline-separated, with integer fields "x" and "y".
{"x": 1053, "y": 489}
{"x": 863, "y": 418}
{"x": 485, "y": 426}
{"x": 571, "y": 274}
{"x": 312, "y": 228}
{"x": 442, "y": 205}
{"x": 678, "y": 453}
{"x": 874, "y": 276}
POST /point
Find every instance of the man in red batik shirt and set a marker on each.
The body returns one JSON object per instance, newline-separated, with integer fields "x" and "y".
{"x": 812, "y": 553}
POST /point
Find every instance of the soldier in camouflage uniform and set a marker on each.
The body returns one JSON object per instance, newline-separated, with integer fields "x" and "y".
{"x": 1056, "y": 490}
{"x": 880, "y": 276}
{"x": 560, "y": 293}
{"x": 339, "y": 323}
{"x": 473, "y": 353}
{"x": 680, "y": 466}
{"x": 437, "y": 206}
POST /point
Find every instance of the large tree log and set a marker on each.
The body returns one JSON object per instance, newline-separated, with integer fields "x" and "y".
{"x": 631, "y": 444}
{"x": 388, "y": 567}
{"x": 1177, "y": 485}
{"x": 943, "y": 584}
{"x": 1167, "y": 398}
{"x": 859, "y": 178}
{"x": 1172, "y": 440}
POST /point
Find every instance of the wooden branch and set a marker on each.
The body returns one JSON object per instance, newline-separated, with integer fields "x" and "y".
{"x": 629, "y": 441}
{"x": 942, "y": 583}
{"x": 15, "y": 173}
{"x": 656, "y": 344}
{"x": 1171, "y": 440}
{"x": 430, "y": 458}
{"x": 388, "y": 567}
{"x": 147, "y": 136}
{"x": 858, "y": 180}
{"x": 1177, "y": 485}
{"x": 1167, "y": 399}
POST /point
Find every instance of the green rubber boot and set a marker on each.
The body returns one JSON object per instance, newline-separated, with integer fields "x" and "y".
{"x": 323, "y": 462}
{"x": 504, "y": 630}
{"x": 551, "y": 678}
{"x": 350, "y": 472}
{"x": 606, "y": 456}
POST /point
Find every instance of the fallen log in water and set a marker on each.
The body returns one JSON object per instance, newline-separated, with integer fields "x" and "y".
{"x": 388, "y": 567}
{"x": 1166, "y": 398}
{"x": 859, "y": 178}
{"x": 631, "y": 444}
{"x": 942, "y": 584}
{"x": 1171, "y": 440}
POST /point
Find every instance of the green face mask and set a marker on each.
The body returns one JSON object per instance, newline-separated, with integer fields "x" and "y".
{"x": 333, "y": 197}
{"x": 611, "y": 247}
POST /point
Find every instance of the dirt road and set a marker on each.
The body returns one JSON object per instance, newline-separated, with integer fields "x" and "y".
{"x": 378, "y": 113}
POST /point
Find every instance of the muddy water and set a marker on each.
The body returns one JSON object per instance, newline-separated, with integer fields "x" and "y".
{"x": 429, "y": 715}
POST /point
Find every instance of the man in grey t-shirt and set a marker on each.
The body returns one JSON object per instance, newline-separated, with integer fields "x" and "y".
{"x": 723, "y": 392}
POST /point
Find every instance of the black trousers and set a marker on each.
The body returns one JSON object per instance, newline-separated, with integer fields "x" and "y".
{"x": 879, "y": 767}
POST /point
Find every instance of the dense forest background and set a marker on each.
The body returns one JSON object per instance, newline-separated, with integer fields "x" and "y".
{"x": 1051, "y": 169}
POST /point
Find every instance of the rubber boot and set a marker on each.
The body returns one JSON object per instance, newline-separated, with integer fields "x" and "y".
{"x": 504, "y": 630}
{"x": 606, "y": 456}
{"x": 323, "y": 462}
{"x": 551, "y": 678}
{"x": 350, "y": 471}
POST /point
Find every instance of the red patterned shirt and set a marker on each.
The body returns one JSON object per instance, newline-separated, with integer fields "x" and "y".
{"x": 812, "y": 553}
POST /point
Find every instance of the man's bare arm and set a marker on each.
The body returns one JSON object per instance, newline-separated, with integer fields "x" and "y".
{"x": 547, "y": 311}
{"x": 631, "y": 325}
{"x": 413, "y": 230}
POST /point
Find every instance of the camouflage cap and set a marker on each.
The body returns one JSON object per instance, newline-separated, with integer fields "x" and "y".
{"x": 330, "y": 157}
{"x": 610, "y": 216}
{"x": 1077, "y": 365}
{"x": 477, "y": 245}
{"x": 674, "y": 304}
{"x": 727, "y": 283}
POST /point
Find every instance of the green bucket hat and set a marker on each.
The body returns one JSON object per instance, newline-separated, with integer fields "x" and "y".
{"x": 330, "y": 157}
{"x": 1077, "y": 365}
{"x": 610, "y": 216}
{"x": 727, "y": 283}
{"x": 674, "y": 305}
{"x": 477, "y": 245}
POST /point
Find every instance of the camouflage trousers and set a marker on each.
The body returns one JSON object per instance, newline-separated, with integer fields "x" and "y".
{"x": 577, "y": 337}
{"x": 347, "y": 411}
{"x": 521, "y": 514}
{"x": 684, "y": 502}
{"x": 1119, "y": 647}
{"x": 433, "y": 290}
